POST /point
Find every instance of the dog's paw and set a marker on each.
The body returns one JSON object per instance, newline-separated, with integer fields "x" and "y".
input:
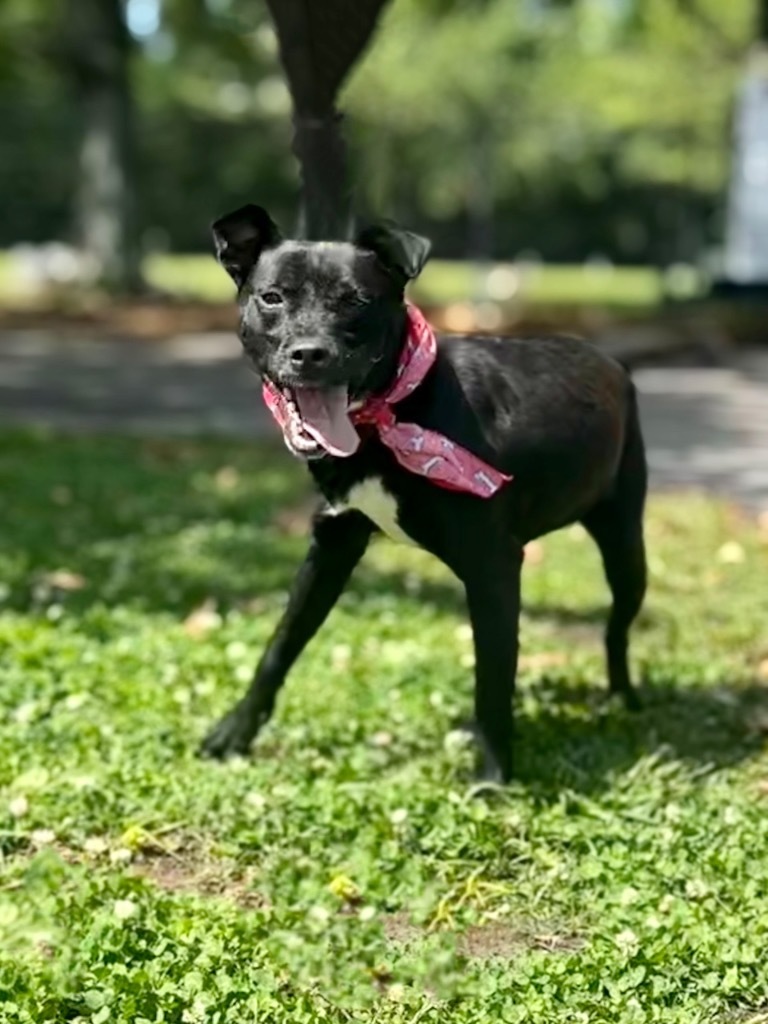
{"x": 231, "y": 737}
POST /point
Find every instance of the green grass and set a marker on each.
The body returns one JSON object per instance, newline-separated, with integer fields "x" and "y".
{"x": 445, "y": 281}
{"x": 345, "y": 873}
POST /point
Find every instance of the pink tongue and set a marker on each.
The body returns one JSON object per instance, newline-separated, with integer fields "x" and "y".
{"x": 324, "y": 416}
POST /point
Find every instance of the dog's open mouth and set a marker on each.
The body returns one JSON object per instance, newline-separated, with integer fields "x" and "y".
{"x": 316, "y": 421}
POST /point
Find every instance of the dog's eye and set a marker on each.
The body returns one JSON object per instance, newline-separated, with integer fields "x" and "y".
{"x": 271, "y": 298}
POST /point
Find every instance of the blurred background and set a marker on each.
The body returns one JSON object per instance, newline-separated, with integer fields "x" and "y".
{"x": 598, "y": 166}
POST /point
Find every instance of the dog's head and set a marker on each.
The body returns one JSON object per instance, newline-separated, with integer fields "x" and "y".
{"x": 323, "y": 322}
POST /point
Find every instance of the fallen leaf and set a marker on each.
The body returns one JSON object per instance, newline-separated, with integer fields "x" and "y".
{"x": 459, "y": 317}
{"x": 294, "y": 521}
{"x": 63, "y": 579}
{"x": 226, "y": 479}
{"x": 534, "y": 553}
{"x": 382, "y": 739}
{"x": 731, "y": 553}
{"x": 543, "y": 660}
{"x": 762, "y": 671}
{"x": 203, "y": 619}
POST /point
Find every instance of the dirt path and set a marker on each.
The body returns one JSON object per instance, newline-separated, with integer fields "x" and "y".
{"x": 706, "y": 427}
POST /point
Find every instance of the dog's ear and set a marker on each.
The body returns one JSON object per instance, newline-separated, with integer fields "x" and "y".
{"x": 240, "y": 239}
{"x": 402, "y": 253}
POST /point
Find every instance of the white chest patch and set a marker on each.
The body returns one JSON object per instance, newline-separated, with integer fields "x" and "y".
{"x": 370, "y": 498}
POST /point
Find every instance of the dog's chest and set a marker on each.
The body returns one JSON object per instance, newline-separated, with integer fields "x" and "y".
{"x": 370, "y": 498}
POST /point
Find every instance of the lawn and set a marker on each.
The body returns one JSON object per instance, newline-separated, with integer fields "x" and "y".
{"x": 345, "y": 872}
{"x": 445, "y": 281}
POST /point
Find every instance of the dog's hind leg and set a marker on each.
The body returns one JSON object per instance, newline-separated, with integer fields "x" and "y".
{"x": 616, "y": 524}
{"x": 338, "y": 544}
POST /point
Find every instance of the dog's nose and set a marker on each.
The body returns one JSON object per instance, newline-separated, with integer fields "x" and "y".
{"x": 309, "y": 356}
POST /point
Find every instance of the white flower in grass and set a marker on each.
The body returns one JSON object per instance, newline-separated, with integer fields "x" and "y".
{"x": 341, "y": 655}
{"x": 95, "y": 845}
{"x": 673, "y": 812}
{"x": 627, "y": 941}
{"x": 18, "y": 806}
{"x": 83, "y": 781}
{"x": 695, "y": 889}
{"x": 122, "y": 855}
{"x": 320, "y": 914}
{"x": 236, "y": 650}
{"x": 629, "y": 896}
{"x": 731, "y": 553}
{"x": 731, "y": 816}
{"x": 367, "y": 913}
{"x": 43, "y": 837}
{"x": 123, "y": 909}
{"x": 243, "y": 673}
{"x": 399, "y": 816}
{"x": 666, "y": 903}
{"x": 256, "y": 801}
{"x": 24, "y": 713}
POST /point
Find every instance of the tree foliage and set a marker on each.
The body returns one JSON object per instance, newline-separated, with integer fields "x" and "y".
{"x": 565, "y": 126}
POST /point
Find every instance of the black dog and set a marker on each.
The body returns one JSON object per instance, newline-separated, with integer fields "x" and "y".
{"x": 325, "y": 325}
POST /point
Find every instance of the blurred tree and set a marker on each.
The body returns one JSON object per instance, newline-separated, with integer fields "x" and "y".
{"x": 96, "y": 49}
{"x": 617, "y": 108}
{"x": 561, "y": 126}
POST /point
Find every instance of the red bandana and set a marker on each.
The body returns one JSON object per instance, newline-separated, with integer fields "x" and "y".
{"x": 417, "y": 449}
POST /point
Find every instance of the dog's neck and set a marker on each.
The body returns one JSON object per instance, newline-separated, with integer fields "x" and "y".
{"x": 383, "y": 374}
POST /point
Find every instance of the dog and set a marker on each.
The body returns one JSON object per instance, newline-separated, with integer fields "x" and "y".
{"x": 469, "y": 447}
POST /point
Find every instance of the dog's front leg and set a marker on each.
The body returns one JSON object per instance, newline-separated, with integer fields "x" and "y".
{"x": 338, "y": 544}
{"x": 493, "y": 597}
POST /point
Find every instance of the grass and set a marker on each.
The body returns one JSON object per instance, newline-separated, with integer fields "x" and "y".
{"x": 445, "y": 281}
{"x": 344, "y": 873}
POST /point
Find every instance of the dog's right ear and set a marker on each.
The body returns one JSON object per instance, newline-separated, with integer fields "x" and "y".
{"x": 241, "y": 237}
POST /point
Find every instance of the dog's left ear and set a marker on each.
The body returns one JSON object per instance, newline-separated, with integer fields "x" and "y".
{"x": 402, "y": 253}
{"x": 241, "y": 237}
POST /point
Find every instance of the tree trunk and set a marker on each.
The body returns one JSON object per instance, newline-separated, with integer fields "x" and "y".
{"x": 319, "y": 44}
{"x": 97, "y": 53}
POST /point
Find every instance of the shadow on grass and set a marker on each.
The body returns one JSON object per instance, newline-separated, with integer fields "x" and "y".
{"x": 164, "y": 525}
{"x": 576, "y": 740}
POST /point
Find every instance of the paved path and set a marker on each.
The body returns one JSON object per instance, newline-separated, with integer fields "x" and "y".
{"x": 705, "y": 427}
